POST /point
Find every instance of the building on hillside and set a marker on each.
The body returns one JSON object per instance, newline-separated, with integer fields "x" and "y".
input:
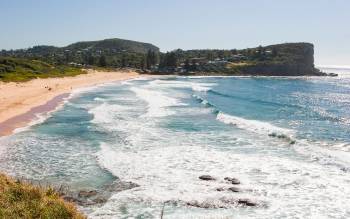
{"x": 237, "y": 58}
{"x": 198, "y": 61}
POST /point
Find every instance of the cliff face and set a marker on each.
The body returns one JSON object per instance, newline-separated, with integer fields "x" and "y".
{"x": 290, "y": 59}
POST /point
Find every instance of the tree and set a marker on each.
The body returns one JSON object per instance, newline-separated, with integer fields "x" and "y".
{"x": 151, "y": 59}
{"x": 169, "y": 59}
{"x": 143, "y": 63}
{"x": 274, "y": 52}
{"x": 172, "y": 60}
{"x": 210, "y": 56}
{"x": 124, "y": 61}
{"x": 260, "y": 50}
{"x": 89, "y": 59}
{"x": 102, "y": 61}
{"x": 187, "y": 65}
{"x": 194, "y": 65}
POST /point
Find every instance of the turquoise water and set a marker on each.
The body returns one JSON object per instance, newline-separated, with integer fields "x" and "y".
{"x": 287, "y": 140}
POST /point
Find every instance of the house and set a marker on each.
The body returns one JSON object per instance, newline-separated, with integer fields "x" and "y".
{"x": 237, "y": 58}
{"x": 198, "y": 61}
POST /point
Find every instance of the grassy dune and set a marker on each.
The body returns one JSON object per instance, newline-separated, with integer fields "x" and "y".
{"x": 17, "y": 70}
{"x": 22, "y": 200}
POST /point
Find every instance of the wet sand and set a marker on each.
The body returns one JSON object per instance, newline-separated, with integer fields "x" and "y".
{"x": 8, "y": 126}
{"x": 20, "y": 103}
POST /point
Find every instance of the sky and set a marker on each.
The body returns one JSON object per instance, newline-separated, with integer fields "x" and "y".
{"x": 185, "y": 24}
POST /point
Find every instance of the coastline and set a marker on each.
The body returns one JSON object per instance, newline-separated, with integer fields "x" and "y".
{"x": 20, "y": 103}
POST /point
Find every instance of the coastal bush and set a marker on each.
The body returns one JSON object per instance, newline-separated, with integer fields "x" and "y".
{"x": 23, "y": 200}
{"x": 17, "y": 70}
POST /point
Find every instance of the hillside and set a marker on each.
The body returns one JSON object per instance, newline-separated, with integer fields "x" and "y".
{"x": 109, "y": 52}
{"x": 113, "y": 46}
{"x": 289, "y": 59}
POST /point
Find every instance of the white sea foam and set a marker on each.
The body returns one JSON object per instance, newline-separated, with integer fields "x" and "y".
{"x": 325, "y": 153}
{"x": 195, "y": 86}
{"x": 253, "y": 125}
{"x": 200, "y": 87}
{"x": 170, "y": 173}
{"x": 158, "y": 104}
{"x": 103, "y": 113}
{"x": 165, "y": 174}
{"x": 83, "y": 90}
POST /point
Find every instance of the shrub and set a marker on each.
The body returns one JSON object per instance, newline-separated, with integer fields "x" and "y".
{"x": 23, "y": 200}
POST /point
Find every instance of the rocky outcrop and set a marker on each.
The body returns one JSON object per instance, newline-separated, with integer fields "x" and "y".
{"x": 93, "y": 197}
{"x": 291, "y": 59}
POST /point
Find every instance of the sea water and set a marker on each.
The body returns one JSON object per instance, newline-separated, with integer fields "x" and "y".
{"x": 286, "y": 139}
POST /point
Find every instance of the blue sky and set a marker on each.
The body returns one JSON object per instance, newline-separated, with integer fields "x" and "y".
{"x": 190, "y": 24}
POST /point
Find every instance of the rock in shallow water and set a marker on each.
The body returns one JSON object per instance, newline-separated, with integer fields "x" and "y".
{"x": 222, "y": 203}
{"x": 94, "y": 197}
{"x": 232, "y": 180}
{"x": 206, "y": 177}
{"x": 234, "y": 189}
{"x": 220, "y": 189}
{"x": 246, "y": 202}
{"x": 87, "y": 194}
{"x": 120, "y": 186}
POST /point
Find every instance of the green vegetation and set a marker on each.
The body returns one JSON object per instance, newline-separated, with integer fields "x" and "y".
{"x": 115, "y": 53}
{"x": 16, "y": 69}
{"x": 22, "y": 200}
{"x": 282, "y": 59}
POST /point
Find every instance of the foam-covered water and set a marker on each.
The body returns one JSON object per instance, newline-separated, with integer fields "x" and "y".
{"x": 287, "y": 140}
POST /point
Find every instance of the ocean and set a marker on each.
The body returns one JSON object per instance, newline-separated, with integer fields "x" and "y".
{"x": 286, "y": 139}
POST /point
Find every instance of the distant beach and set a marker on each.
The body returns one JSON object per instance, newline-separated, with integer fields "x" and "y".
{"x": 21, "y": 102}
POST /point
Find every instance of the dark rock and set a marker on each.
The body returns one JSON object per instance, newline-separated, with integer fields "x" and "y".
{"x": 120, "y": 186}
{"x": 94, "y": 197}
{"x": 69, "y": 198}
{"x": 292, "y": 142}
{"x": 73, "y": 200}
{"x": 206, "y": 177}
{"x": 272, "y": 134}
{"x": 99, "y": 200}
{"x": 220, "y": 189}
{"x": 246, "y": 202}
{"x": 232, "y": 180}
{"x": 87, "y": 194}
{"x": 234, "y": 189}
{"x": 332, "y": 75}
{"x": 280, "y": 136}
{"x": 222, "y": 203}
{"x": 240, "y": 202}
{"x": 205, "y": 205}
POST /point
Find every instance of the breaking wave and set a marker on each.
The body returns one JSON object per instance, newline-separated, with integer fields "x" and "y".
{"x": 158, "y": 104}
{"x": 249, "y": 125}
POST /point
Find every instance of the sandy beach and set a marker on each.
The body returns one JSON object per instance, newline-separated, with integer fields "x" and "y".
{"x": 19, "y": 102}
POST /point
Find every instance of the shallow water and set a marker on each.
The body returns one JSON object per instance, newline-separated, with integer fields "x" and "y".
{"x": 287, "y": 140}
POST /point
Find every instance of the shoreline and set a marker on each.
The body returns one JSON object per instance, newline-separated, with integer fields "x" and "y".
{"x": 21, "y": 103}
{"x": 10, "y": 126}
